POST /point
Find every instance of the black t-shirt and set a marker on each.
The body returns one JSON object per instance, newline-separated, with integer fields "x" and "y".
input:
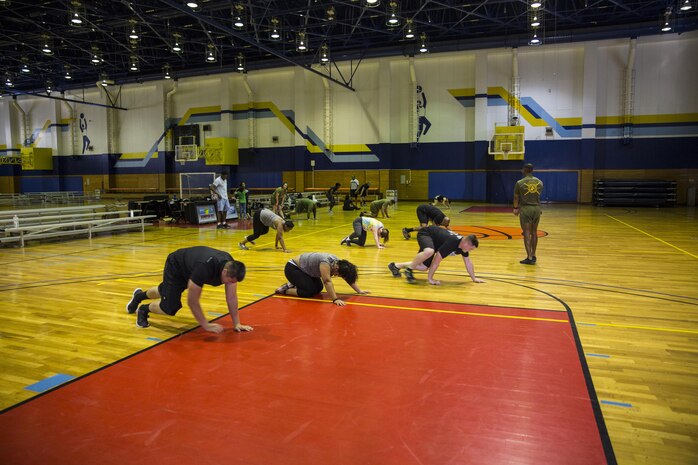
{"x": 445, "y": 242}
{"x": 363, "y": 189}
{"x": 436, "y": 215}
{"x": 203, "y": 265}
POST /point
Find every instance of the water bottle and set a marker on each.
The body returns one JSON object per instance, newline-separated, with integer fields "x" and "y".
{"x": 15, "y": 220}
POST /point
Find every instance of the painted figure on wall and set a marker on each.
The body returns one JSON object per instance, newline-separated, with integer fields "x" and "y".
{"x": 424, "y": 123}
{"x": 83, "y": 130}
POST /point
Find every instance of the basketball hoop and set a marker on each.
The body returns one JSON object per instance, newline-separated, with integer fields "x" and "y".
{"x": 185, "y": 153}
{"x": 505, "y": 154}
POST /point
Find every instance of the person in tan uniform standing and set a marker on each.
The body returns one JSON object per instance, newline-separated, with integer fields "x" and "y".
{"x": 527, "y": 207}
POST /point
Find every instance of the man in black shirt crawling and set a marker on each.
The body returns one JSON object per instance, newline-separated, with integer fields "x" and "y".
{"x": 189, "y": 269}
{"x": 435, "y": 244}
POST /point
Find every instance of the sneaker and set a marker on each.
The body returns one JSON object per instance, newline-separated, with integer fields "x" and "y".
{"x": 409, "y": 276}
{"x": 394, "y": 270}
{"x": 405, "y": 233}
{"x": 219, "y": 226}
{"x": 533, "y": 259}
{"x": 283, "y": 289}
{"x": 142, "y": 320}
{"x": 225, "y": 226}
{"x": 132, "y": 306}
{"x": 527, "y": 261}
{"x": 345, "y": 241}
{"x": 243, "y": 246}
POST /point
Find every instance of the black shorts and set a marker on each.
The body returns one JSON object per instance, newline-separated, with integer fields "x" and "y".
{"x": 425, "y": 241}
{"x": 171, "y": 289}
{"x": 422, "y": 215}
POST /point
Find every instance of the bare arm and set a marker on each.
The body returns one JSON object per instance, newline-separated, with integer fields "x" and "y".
{"x": 231, "y": 298}
{"x": 516, "y": 202}
{"x": 471, "y": 270}
{"x": 280, "y": 236}
{"x": 193, "y": 300}
{"x": 377, "y": 239}
{"x": 326, "y": 276}
{"x": 385, "y": 210}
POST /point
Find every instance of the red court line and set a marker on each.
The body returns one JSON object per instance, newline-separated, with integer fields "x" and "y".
{"x": 319, "y": 384}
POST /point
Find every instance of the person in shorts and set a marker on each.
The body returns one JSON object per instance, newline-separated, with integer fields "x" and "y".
{"x": 304, "y": 205}
{"x": 278, "y": 198}
{"x": 189, "y": 269}
{"x": 426, "y": 213}
{"x": 308, "y": 273}
{"x": 527, "y": 207}
{"x": 332, "y": 195}
{"x": 435, "y": 244}
{"x": 219, "y": 193}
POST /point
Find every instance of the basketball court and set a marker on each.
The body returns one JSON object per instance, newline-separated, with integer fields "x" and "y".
{"x": 552, "y": 363}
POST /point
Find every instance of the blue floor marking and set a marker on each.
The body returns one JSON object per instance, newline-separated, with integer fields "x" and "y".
{"x": 617, "y": 404}
{"x": 215, "y": 314}
{"x": 586, "y": 324}
{"x": 48, "y": 383}
{"x": 156, "y": 339}
{"x": 598, "y": 355}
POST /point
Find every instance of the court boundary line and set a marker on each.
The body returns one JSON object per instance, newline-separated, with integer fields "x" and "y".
{"x": 653, "y": 237}
{"x": 430, "y": 310}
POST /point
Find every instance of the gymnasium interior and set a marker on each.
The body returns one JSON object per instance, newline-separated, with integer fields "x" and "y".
{"x": 117, "y": 117}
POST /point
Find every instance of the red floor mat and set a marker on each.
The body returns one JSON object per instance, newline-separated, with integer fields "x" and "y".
{"x": 381, "y": 381}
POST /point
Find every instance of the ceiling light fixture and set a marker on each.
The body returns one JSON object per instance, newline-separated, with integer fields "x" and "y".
{"x": 49, "y": 86}
{"x": 535, "y": 22}
{"x": 77, "y": 13}
{"x": 372, "y": 3}
{"x": 193, "y": 5}
{"x": 330, "y": 14}
{"x": 534, "y": 40}
{"x": 67, "y": 74}
{"x": 324, "y": 53}
{"x": 47, "y": 49}
{"x": 8, "y": 81}
{"x": 666, "y": 27}
{"x": 409, "y": 29}
{"x": 274, "y": 33}
{"x": 686, "y": 5}
{"x": 25, "y": 68}
{"x": 240, "y": 62}
{"x": 167, "y": 71}
{"x": 211, "y": 54}
{"x": 177, "y": 47}
{"x": 96, "y": 58}
{"x": 423, "y": 43}
{"x": 134, "y": 63}
{"x": 536, "y": 4}
{"x": 104, "y": 79}
{"x": 301, "y": 41}
{"x": 239, "y": 19}
{"x": 393, "y": 14}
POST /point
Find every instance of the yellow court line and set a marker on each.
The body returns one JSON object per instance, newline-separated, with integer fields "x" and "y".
{"x": 649, "y": 328}
{"x": 653, "y": 237}
{"x": 430, "y": 310}
{"x": 302, "y": 235}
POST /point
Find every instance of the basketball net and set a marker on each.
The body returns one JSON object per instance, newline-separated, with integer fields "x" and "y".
{"x": 505, "y": 155}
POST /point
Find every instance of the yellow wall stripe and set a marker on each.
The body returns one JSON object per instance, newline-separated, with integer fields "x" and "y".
{"x": 196, "y": 110}
{"x": 470, "y": 92}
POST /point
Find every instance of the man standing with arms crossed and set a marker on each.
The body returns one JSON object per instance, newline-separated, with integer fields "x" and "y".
{"x": 219, "y": 193}
{"x": 527, "y": 207}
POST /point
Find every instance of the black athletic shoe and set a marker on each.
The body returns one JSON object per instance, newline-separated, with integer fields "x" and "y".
{"x": 405, "y": 233}
{"x": 225, "y": 226}
{"x": 345, "y": 241}
{"x": 394, "y": 269}
{"x": 409, "y": 276}
{"x": 533, "y": 259}
{"x": 132, "y": 306}
{"x": 142, "y": 318}
{"x": 527, "y": 261}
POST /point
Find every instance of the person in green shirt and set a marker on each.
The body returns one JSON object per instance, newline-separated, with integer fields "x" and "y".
{"x": 278, "y": 198}
{"x": 306, "y": 206}
{"x": 381, "y": 206}
{"x": 241, "y": 194}
{"x": 527, "y": 207}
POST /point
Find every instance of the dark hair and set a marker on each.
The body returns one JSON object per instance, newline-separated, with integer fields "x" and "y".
{"x": 347, "y": 271}
{"x": 473, "y": 240}
{"x": 385, "y": 234}
{"x": 337, "y": 184}
{"x": 528, "y": 168}
{"x": 235, "y": 269}
{"x": 288, "y": 225}
{"x": 392, "y": 202}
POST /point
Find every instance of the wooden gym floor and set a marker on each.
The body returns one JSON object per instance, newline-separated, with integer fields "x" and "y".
{"x": 625, "y": 277}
